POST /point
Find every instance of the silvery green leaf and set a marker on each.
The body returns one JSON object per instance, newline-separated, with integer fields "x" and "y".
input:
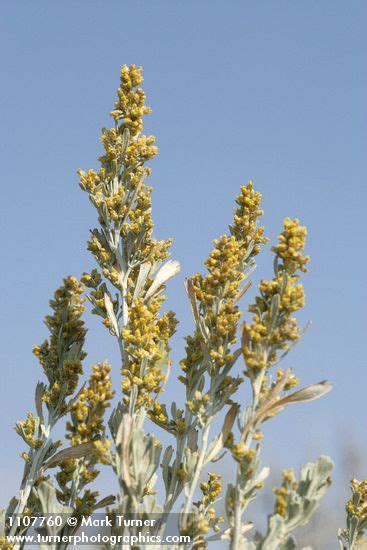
{"x": 192, "y": 297}
{"x": 46, "y": 496}
{"x": 122, "y": 263}
{"x": 144, "y": 271}
{"x": 276, "y": 532}
{"x": 40, "y": 390}
{"x": 262, "y": 475}
{"x": 284, "y": 283}
{"x": 242, "y": 291}
{"x": 115, "y": 419}
{"x": 217, "y": 444}
{"x": 309, "y": 393}
{"x": 250, "y": 269}
{"x": 125, "y": 140}
{"x": 106, "y": 501}
{"x": 190, "y": 462}
{"x": 168, "y": 270}
{"x": 249, "y": 249}
{"x": 352, "y": 530}
{"x": 192, "y": 438}
{"x": 138, "y": 458}
{"x": 123, "y": 438}
{"x": 78, "y": 451}
{"x": 166, "y": 468}
{"x": 274, "y": 309}
{"x": 230, "y": 495}
{"x": 111, "y": 314}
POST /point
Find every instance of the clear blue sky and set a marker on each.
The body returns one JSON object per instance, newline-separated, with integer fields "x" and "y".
{"x": 274, "y": 91}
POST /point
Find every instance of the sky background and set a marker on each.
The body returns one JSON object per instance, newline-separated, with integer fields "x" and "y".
{"x": 273, "y": 91}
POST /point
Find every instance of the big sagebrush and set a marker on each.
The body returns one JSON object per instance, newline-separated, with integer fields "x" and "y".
{"x": 126, "y": 291}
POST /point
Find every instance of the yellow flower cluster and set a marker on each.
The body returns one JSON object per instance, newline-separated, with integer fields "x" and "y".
{"x": 273, "y": 326}
{"x": 358, "y": 506}
{"x": 97, "y": 294}
{"x": 289, "y": 484}
{"x": 223, "y": 266}
{"x": 118, "y": 191}
{"x": 84, "y": 505}
{"x": 139, "y": 151}
{"x": 292, "y": 382}
{"x": 125, "y": 240}
{"x": 158, "y": 414}
{"x": 218, "y": 291}
{"x": 5, "y": 545}
{"x": 87, "y": 424}
{"x": 61, "y": 356}
{"x": 198, "y": 404}
{"x": 241, "y": 453}
{"x": 146, "y": 337}
{"x": 204, "y": 517}
{"x": 245, "y": 227}
{"x": 247, "y": 459}
{"x": 27, "y": 429}
{"x": 130, "y": 106}
{"x": 290, "y": 247}
{"x": 88, "y": 411}
{"x": 212, "y": 489}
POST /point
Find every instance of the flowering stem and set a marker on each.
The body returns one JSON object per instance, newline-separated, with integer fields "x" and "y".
{"x": 198, "y": 469}
{"x": 32, "y": 475}
{"x": 238, "y": 504}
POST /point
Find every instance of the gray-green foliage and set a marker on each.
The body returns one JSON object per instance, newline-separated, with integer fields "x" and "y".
{"x": 126, "y": 292}
{"x": 302, "y": 502}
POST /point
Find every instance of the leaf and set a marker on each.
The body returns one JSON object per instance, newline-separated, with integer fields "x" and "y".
{"x": 245, "y": 339}
{"x": 242, "y": 291}
{"x": 262, "y": 475}
{"x": 46, "y": 494}
{"x": 124, "y": 141}
{"x": 192, "y": 439}
{"x": 142, "y": 277}
{"x": 75, "y": 398}
{"x": 106, "y": 501}
{"x": 309, "y": 393}
{"x": 273, "y": 313}
{"x": 219, "y": 442}
{"x": 78, "y": 451}
{"x": 123, "y": 439}
{"x": 166, "y": 469}
{"x": 40, "y": 390}
{"x": 189, "y": 286}
{"x": 276, "y": 531}
{"x": 168, "y": 270}
{"x": 111, "y": 313}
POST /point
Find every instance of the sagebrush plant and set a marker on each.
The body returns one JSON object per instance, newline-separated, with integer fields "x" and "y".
{"x": 126, "y": 291}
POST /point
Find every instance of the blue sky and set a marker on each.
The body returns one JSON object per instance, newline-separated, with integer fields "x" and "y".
{"x": 272, "y": 91}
